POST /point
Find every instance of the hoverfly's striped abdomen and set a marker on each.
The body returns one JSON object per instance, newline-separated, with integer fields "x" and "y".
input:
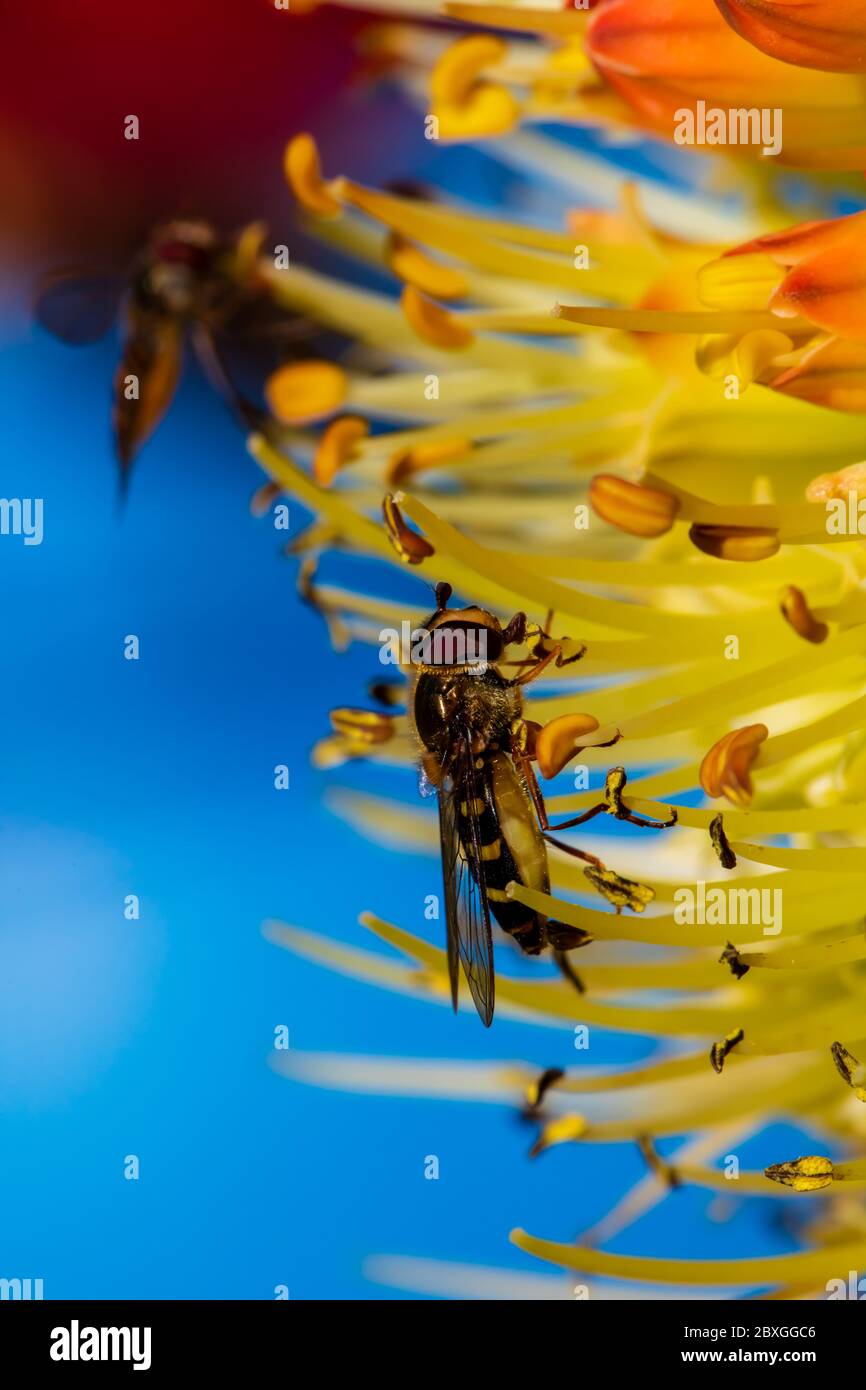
{"x": 511, "y": 849}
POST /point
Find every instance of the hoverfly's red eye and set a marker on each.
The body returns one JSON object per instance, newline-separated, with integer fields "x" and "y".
{"x": 182, "y": 253}
{"x": 462, "y": 644}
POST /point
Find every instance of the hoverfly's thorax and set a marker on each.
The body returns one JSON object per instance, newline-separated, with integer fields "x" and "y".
{"x": 479, "y": 702}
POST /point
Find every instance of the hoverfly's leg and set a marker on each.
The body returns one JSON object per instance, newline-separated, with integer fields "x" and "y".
{"x": 515, "y": 632}
{"x": 388, "y": 693}
{"x": 568, "y": 971}
{"x": 542, "y": 635}
{"x": 523, "y": 760}
{"x": 555, "y": 654}
{"x": 613, "y": 804}
{"x": 574, "y": 851}
{"x": 620, "y": 892}
{"x": 538, "y": 667}
{"x": 337, "y": 629}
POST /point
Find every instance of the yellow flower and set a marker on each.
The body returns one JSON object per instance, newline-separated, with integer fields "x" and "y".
{"x": 583, "y": 469}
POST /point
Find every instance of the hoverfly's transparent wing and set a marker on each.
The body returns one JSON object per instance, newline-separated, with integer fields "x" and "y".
{"x": 467, "y": 914}
{"x": 251, "y": 337}
{"x": 210, "y": 351}
{"x": 78, "y": 306}
{"x": 449, "y": 840}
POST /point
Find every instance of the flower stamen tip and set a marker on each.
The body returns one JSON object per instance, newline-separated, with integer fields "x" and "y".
{"x": 808, "y": 1174}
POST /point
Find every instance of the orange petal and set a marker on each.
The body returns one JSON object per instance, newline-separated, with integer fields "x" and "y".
{"x": 656, "y": 52}
{"x": 831, "y": 373}
{"x": 665, "y": 56}
{"x": 828, "y": 34}
{"x": 829, "y": 288}
{"x": 791, "y": 245}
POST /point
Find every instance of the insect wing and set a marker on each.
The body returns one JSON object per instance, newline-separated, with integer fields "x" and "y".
{"x": 467, "y": 914}
{"x": 78, "y": 307}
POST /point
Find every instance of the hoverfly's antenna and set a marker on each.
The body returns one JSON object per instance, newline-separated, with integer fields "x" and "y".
{"x": 443, "y": 595}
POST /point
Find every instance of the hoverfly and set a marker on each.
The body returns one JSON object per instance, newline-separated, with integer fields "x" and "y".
{"x": 187, "y": 283}
{"x": 476, "y": 750}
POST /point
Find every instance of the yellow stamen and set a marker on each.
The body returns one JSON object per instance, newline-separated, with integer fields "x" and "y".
{"x": 719, "y": 841}
{"x": 808, "y": 1174}
{"x": 632, "y": 507}
{"x": 463, "y": 103}
{"x": 564, "y": 1130}
{"x": 739, "y": 543}
{"x": 620, "y": 892}
{"x": 422, "y": 456}
{"x": 796, "y": 612}
{"x": 248, "y": 248}
{"x": 558, "y": 742}
{"x": 412, "y": 548}
{"x": 362, "y": 725}
{"x": 719, "y": 1050}
{"x": 304, "y": 391}
{"x": 337, "y": 447}
{"x": 725, "y": 769}
{"x": 263, "y": 499}
{"x": 416, "y": 268}
{"x": 433, "y": 323}
{"x": 304, "y": 175}
{"x": 850, "y": 1069}
{"x": 538, "y": 1088}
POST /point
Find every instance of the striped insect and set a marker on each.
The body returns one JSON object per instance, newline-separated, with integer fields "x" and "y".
{"x": 476, "y": 750}
{"x": 186, "y": 285}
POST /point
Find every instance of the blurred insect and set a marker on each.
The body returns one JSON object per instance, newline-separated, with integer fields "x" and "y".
{"x": 187, "y": 284}
{"x": 477, "y": 753}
